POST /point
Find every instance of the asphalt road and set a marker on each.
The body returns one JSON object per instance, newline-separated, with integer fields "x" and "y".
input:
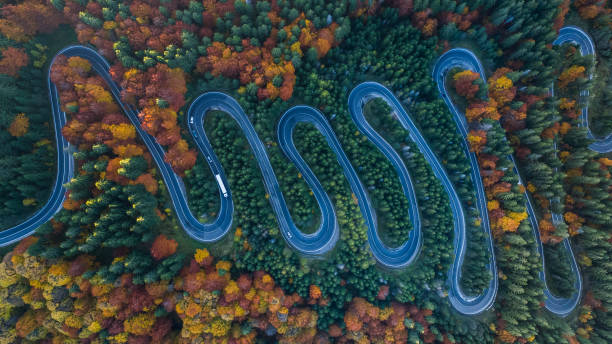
{"x": 558, "y": 305}
{"x": 327, "y": 234}
{"x": 65, "y": 169}
{"x": 465, "y": 59}
{"x": 317, "y": 243}
{"x": 573, "y": 34}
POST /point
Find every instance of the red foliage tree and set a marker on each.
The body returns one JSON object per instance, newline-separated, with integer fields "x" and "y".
{"x": 560, "y": 19}
{"x": 161, "y": 328}
{"x": 12, "y": 60}
{"x": 193, "y": 282}
{"x": 25, "y": 19}
{"x": 138, "y": 300}
{"x": 244, "y": 282}
{"x": 589, "y": 9}
{"x": 464, "y": 83}
{"x": 180, "y": 157}
{"x": 383, "y": 292}
{"x": 163, "y": 247}
{"x": 404, "y": 6}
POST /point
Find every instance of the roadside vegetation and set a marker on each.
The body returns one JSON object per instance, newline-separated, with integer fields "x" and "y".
{"x": 27, "y": 142}
{"x": 113, "y": 265}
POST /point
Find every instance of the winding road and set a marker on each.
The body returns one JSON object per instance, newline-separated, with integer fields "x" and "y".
{"x": 465, "y": 59}
{"x": 389, "y": 257}
{"x": 327, "y": 234}
{"x": 573, "y": 34}
{"x": 65, "y": 170}
{"x": 558, "y": 305}
{"x": 465, "y": 304}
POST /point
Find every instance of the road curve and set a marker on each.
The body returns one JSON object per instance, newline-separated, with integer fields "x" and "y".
{"x": 557, "y": 305}
{"x": 396, "y": 257}
{"x": 573, "y": 34}
{"x": 65, "y": 169}
{"x": 465, "y": 304}
{"x": 465, "y": 59}
{"x": 327, "y": 234}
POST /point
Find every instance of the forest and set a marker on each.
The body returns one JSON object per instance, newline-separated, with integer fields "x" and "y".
{"x": 115, "y": 265}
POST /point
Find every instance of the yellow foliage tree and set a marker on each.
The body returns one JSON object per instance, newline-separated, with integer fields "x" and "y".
{"x": 29, "y": 201}
{"x": 140, "y": 324}
{"x": 128, "y": 151}
{"x": 477, "y": 139}
{"x": 98, "y": 93}
{"x": 567, "y": 104}
{"x": 492, "y": 205}
{"x": 58, "y": 274}
{"x": 79, "y": 63}
{"x": 19, "y": 126}
{"x": 201, "y": 255}
{"x": 123, "y": 131}
{"x": 503, "y": 83}
{"x": 508, "y": 224}
{"x": 518, "y": 216}
{"x": 297, "y": 48}
{"x": 219, "y": 327}
{"x": 571, "y": 74}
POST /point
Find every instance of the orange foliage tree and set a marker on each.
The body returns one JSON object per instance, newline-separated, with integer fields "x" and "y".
{"x": 477, "y": 140}
{"x": 501, "y": 87}
{"x": 315, "y": 292}
{"x": 463, "y": 82}
{"x": 589, "y": 9}
{"x": 570, "y": 75}
{"x": 24, "y": 19}
{"x": 159, "y": 92}
{"x": 149, "y": 182}
{"x": 383, "y": 325}
{"x": 163, "y": 247}
{"x": 546, "y": 230}
{"x": 257, "y": 65}
{"x": 211, "y": 305}
{"x": 12, "y": 60}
